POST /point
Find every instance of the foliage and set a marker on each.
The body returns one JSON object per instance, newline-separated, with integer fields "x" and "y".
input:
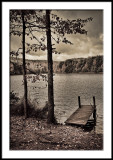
{"x": 61, "y": 64}
{"x": 17, "y": 109}
{"x": 90, "y": 64}
{"x": 17, "y": 69}
{"x": 13, "y": 97}
{"x": 35, "y": 21}
{"x": 69, "y": 69}
{"x": 29, "y": 22}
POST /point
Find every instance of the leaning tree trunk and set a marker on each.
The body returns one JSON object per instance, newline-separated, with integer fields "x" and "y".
{"x": 24, "y": 69}
{"x": 50, "y": 118}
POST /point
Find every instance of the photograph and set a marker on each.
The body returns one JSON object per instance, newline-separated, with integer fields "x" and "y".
{"x": 56, "y": 80}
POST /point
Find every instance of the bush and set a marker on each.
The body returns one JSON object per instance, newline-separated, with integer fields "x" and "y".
{"x": 13, "y": 97}
{"x": 17, "y": 109}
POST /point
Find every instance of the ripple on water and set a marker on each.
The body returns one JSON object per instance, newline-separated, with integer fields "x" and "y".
{"x": 67, "y": 88}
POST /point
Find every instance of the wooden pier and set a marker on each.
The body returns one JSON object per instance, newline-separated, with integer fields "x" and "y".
{"x": 82, "y": 114}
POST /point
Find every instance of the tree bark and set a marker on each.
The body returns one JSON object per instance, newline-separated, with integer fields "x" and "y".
{"x": 50, "y": 118}
{"x": 24, "y": 69}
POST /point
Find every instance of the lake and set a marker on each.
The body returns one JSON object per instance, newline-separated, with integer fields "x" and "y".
{"x": 67, "y": 88}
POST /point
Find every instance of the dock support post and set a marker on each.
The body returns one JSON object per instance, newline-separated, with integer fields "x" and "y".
{"x": 79, "y": 102}
{"x": 94, "y": 113}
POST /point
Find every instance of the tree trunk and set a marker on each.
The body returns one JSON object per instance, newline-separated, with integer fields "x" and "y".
{"x": 50, "y": 118}
{"x": 24, "y": 69}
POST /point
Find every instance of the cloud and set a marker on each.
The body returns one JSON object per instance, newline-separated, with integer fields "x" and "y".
{"x": 83, "y": 45}
{"x": 16, "y": 42}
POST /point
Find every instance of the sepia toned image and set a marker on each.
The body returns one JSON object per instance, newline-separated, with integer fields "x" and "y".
{"x": 56, "y": 79}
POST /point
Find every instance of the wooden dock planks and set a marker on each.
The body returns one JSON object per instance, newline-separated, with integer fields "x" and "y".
{"x": 81, "y": 115}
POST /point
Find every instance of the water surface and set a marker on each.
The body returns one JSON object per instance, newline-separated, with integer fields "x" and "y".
{"x": 67, "y": 88}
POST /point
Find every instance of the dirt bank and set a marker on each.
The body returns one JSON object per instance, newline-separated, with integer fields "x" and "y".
{"x": 34, "y": 134}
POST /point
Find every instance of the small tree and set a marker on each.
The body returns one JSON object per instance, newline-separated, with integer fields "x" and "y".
{"x": 20, "y": 20}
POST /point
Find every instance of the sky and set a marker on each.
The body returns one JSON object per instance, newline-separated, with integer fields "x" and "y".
{"x": 83, "y": 45}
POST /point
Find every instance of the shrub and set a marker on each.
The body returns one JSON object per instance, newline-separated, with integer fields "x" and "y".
{"x": 13, "y": 97}
{"x": 17, "y": 109}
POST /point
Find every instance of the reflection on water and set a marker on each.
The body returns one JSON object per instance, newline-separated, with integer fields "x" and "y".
{"x": 67, "y": 88}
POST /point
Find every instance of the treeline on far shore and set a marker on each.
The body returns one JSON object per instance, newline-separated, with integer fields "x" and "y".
{"x": 76, "y": 65}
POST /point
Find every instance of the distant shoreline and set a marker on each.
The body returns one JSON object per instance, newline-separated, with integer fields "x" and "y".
{"x": 60, "y": 73}
{"x": 90, "y": 65}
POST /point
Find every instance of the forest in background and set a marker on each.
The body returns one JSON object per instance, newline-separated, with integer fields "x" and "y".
{"x": 75, "y": 65}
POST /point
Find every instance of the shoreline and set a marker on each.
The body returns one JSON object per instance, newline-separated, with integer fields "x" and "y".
{"x": 60, "y": 73}
{"x": 36, "y": 134}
